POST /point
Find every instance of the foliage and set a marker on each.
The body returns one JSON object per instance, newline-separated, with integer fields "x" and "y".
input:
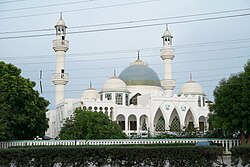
{"x": 22, "y": 110}
{"x": 240, "y": 155}
{"x": 230, "y": 110}
{"x": 138, "y": 155}
{"x": 184, "y": 133}
{"x": 219, "y": 133}
{"x": 90, "y": 125}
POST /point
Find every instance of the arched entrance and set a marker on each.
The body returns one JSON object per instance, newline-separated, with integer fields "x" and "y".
{"x": 159, "y": 121}
{"x": 121, "y": 121}
{"x": 143, "y": 123}
{"x": 202, "y": 123}
{"x": 189, "y": 120}
{"x": 175, "y": 124}
{"x": 132, "y": 123}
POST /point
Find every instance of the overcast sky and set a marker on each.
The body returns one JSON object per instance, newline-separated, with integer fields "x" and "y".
{"x": 211, "y": 39}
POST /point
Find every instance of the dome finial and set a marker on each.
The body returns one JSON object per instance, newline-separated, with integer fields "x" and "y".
{"x": 138, "y": 54}
{"x": 166, "y": 27}
{"x": 60, "y": 15}
{"x": 190, "y": 77}
{"x": 90, "y": 84}
{"x": 114, "y": 73}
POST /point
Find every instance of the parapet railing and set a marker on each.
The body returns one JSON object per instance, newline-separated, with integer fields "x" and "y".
{"x": 226, "y": 143}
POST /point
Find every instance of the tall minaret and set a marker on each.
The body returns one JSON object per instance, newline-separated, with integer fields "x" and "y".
{"x": 167, "y": 55}
{"x": 60, "y": 45}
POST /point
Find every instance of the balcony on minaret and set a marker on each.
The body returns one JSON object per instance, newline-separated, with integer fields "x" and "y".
{"x": 168, "y": 84}
{"x": 60, "y": 78}
{"x": 167, "y": 52}
{"x": 60, "y": 45}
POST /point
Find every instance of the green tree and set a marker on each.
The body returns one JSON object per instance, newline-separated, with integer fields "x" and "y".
{"x": 22, "y": 110}
{"x": 90, "y": 125}
{"x": 231, "y": 108}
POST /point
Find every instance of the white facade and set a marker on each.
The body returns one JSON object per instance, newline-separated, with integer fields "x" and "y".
{"x": 136, "y": 99}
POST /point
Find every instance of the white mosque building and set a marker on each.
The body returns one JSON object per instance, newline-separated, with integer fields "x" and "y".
{"x": 137, "y": 99}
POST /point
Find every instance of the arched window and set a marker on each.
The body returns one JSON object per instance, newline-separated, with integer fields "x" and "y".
{"x": 118, "y": 98}
{"x": 126, "y": 99}
{"x": 199, "y": 101}
{"x": 108, "y": 96}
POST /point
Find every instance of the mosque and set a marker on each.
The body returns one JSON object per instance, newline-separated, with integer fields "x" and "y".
{"x": 137, "y": 99}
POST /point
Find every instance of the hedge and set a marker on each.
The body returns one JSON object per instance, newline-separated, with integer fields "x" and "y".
{"x": 81, "y": 156}
{"x": 240, "y": 155}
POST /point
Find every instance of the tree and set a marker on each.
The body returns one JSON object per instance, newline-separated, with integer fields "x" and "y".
{"x": 90, "y": 125}
{"x": 22, "y": 110}
{"x": 231, "y": 108}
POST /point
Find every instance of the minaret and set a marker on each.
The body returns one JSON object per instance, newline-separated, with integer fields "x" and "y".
{"x": 60, "y": 45}
{"x": 167, "y": 55}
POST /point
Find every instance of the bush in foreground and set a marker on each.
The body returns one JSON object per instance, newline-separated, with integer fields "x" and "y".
{"x": 240, "y": 155}
{"x": 140, "y": 155}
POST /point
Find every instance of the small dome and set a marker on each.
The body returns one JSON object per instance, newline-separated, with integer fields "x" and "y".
{"x": 90, "y": 93}
{"x": 167, "y": 34}
{"x": 114, "y": 84}
{"x": 138, "y": 73}
{"x": 191, "y": 87}
{"x": 60, "y": 22}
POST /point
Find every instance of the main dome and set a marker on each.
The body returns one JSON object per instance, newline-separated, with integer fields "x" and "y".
{"x": 138, "y": 73}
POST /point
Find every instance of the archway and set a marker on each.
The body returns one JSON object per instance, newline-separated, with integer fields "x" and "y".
{"x": 174, "y": 122}
{"x": 144, "y": 123}
{"x": 121, "y": 121}
{"x": 202, "y": 123}
{"x": 159, "y": 121}
{"x": 189, "y": 120}
{"x": 132, "y": 123}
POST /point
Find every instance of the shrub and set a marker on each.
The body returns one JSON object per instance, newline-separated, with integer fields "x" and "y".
{"x": 134, "y": 155}
{"x": 240, "y": 155}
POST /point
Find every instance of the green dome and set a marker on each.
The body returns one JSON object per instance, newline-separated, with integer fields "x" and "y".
{"x": 138, "y": 73}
